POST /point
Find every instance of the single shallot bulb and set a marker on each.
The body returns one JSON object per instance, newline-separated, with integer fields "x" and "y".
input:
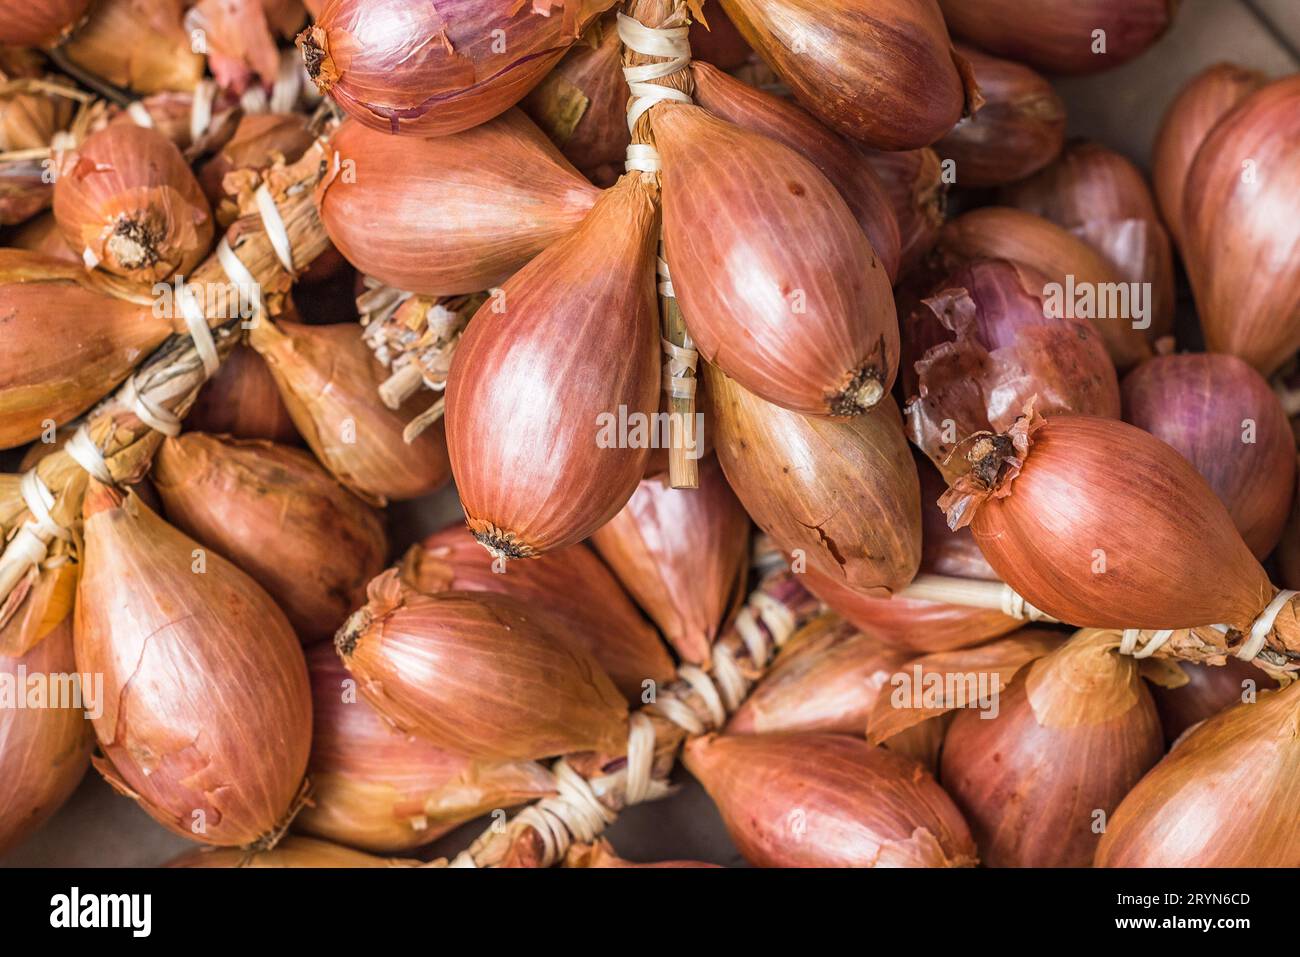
{"x": 782, "y": 291}
{"x": 682, "y": 554}
{"x": 1208, "y": 689}
{"x": 479, "y": 674}
{"x": 449, "y": 215}
{"x": 1223, "y": 797}
{"x": 913, "y": 181}
{"x": 293, "y": 851}
{"x": 27, "y": 24}
{"x": 1037, "y": 778}
{"x": 45, "y": 743}
{"x": 109, "y": 45}
{"x": 381, "y": 790}
{"x": 847, "y": 169}
{"x": 1206, "y": 99}
{"x": 1084, "y": 285}
{"x": 68, "y": 341}
{"x": 431, "y": 70}
{"x": 571, "y": 584}
{"x": 329, "y": 380}
{"x": 982, "y": 345}
{"x": 880, "y": 71}
{"x": 548, "y": 436}
{"x": 828, "y": 800}
{"x": 41, "y": 234}
{"x": 128, "y": 201}
{"x": 1241, "y": 228}
{"x": 207, "y": 709}
{"x": 243, "y": 400}
{"x": 1019, "y": 128}
{"x": 841, "y": 497}
{"x": 279, "y": 516}
{"x": 1102, "y": 198}
{"x": 1061, "y": 36}
{"x": 1223, "y": 417}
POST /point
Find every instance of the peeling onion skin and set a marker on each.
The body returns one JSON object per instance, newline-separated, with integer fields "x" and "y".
{"x": 27, "y": 24}
{"x": 1206, "y": 99}
{"x": 532, "y": 383}
{"x": 880, "y": 71}
{"x": 843, "y": 494}
{"x": 1056, "y": 36}
{"x": 450, "y": 215}
{"x": 1209, "y": 690}
{"x": 480, "y": 674}
{"x": 801, "y": 315}
{"x": 44, "y": 752}
{"x": 431, "y": 70}
{"x": 828, "y": 800}
{"x": 1207, "y": 407}
{"x": 847, "y": 169}
{"x": 681, "y": 553}
{"x": 1241, "y": 238}
{"x": 1223, "y": 797}
{"x": 571, "y": 583}
{"x": 1025, "y": 805}
{"x": 207, "y": 706}
{"x": 379, "y": 790}
{"x": 1019, "y": 129}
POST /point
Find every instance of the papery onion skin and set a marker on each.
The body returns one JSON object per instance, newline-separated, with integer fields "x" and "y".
{"x": 923, "y": 626}
{"x": 533, "y": 400}
{"x": 1058, "y": 36}
{"x": 828, "y": 800}
{"x": 1018, "y": 130}
{"x": 432, "y": 70}
{"x": 1206, "y": 99}
{"x": 681, "y": 553}
{"x": 913, "y": 181}
{"x": 1209, "y": 690}
{"x": 982, "y": 345}
{"x": 450, "y": 215}
{"x": 826, "y": 678}
{"x": 802, "y": 316}
{"x": 841, "y": 494}
{"x": 26, "y": 24}
{"x": 279, "y": 516}
{"x": 1223, "y": 797}
{"x": 848, "y": 171}
{"x": 1241, "y": 221}
{"x": 570, "y": 583}
{"x": 600, "y": 854}
{"x": 999, "y": 232}
{"x": 880, "y": 71}
{"x": 207, "y": 709}
{"x": 1102, "y": 198}
{"x": 44, "y": 751}
{"x": 1026, "y": 806}
{"x": 67, "y": 342}
{"x": 292, "y": 851}
{"x": 257, "y": 139}
{"x": 1060, "y": 533}
{"x": 328, "y": 379}
{"x": 479, "y": 674}
{"x": 377, "y": 789}
{"x": 108, "y": 45}
{"x": 1226, "y": 420}
{"x": 128, "y": 197}
{"x": 243, "y": 400}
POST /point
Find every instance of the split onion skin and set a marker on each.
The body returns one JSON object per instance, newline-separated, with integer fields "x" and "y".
{"x": 1241, "y": 222}
{"x": 570, "y": 583}
{"x": 828, "y": 800}
{"x": 879, "y": 71}
{"x": 682, "y": 554}
{"x": 1226, "y": 420}
{"x": 207, "y": 708}
{"x": 801, "y": 315}
{"x": 843, "y": 494}
{"x": 1223, "y": 797}
{"x": 450, "y": 215}
{"x": 532, "y": 380}
{"x": 1056, "y": 36}
{"x": 432, "y": 70}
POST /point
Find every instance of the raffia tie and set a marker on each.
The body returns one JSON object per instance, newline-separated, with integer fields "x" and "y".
{"x": 672, "y": 43}
{"x": 1250, "y": 648}
{"x": 1015, "y": 606}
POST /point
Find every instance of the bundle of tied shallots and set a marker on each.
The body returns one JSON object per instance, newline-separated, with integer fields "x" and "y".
{"x": 818, "y": 412}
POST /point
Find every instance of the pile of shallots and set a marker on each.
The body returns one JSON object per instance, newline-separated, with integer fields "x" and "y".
{"x": 827, "y": 428}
